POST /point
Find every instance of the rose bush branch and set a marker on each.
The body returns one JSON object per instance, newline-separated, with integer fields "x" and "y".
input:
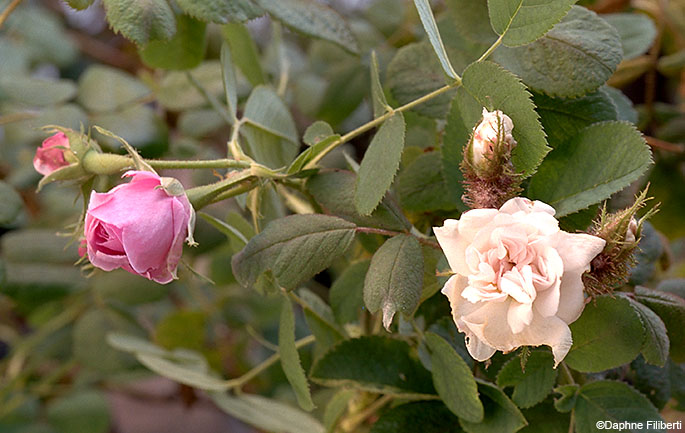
{"x": 110, "y": 163}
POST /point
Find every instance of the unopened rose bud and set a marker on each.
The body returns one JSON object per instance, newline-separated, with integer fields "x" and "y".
{"x": 491, "y": 139}
{"x": 50, "y": 155}
{"x": 489, "y": 176}
{"x": 621, "y": 231}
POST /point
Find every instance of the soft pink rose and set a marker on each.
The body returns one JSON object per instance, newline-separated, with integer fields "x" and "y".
{"x": 50, "y": 155}
{"x": 139, "y": 227}
{"x": 517, "y": 277}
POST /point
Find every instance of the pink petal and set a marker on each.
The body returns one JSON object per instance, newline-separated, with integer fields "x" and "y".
{"x": 577, "y": 250}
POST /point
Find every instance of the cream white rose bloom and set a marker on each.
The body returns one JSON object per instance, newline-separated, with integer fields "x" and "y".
{"x": 517, "y": 277}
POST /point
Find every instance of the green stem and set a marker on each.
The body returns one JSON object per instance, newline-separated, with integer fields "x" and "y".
{"x": 422, "y": 239}
{"x": 380, "y": 119}
{"x": 8, "y": 10}
{"x": 566, "y": 372}
{"x": 268, "y": 362}
{"x": 201, "y": 196}
{"x": 216, "y": 105}
{"x": 111, "y": 163}
{"x": 492, "y": 48}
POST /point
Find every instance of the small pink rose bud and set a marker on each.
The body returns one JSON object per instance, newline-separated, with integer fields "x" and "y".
{"x": 50, "y": 155}
{"x": 138, "y": 226}
{"x": 491, "y": 138}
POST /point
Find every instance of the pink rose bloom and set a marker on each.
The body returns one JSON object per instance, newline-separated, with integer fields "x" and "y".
{"x": 517, "y": 277}
{"x": 50, "y": 155}
{"x": 139, "y": 227}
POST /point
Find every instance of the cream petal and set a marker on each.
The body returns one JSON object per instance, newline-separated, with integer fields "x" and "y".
{"x": 550, "y": 331}
{"x": 472, "y": 221}
{"x": 578, "y": 249}
{"x": 517, "y": 204}
{"x": 454, "y": 245}
{"x": 477, "y": 349}
{"x": 547, "y": 301}
{"x": 571, "y": 297}
{"x": 519, "y": 316}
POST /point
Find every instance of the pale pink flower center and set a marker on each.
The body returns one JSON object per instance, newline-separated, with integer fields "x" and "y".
{"x": 512, "y": 264}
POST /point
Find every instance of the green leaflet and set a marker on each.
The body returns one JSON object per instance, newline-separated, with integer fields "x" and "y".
{"x": 562, "y": 119}
{"x": 612, "y": 401}
{"x": 414, "y": 72}
{"x": 230, "y": 81}
{"x": 498, "y": 89}
{"x": 637, "y": 32}
{"x": 532, "y": 385}
{"x": 373, "y": 363}
{"x": 185, "y": 50}
{"x": 379, "y": 165}
{"x": 313, "y": 19}
{"x": 671, "y": 309}
{"x": 422, "y": 188}
{"x": 395, "y": 278}
{"x": 221, "y": 11}
{"x": 603, "y": 158}
{"x": 453, "y": 380}
{"x": 428, "y": 21}
{"x": 141, "y": 21}
{"x": 655, "y": 346}
{"x": 290, "y": 359}
{"x": 431, "y": 416}
{"x": 294, "y": 249}
{"x": 608, "y": 334}
{"x": 267, "y": 414}
{"x": 523, "y": 21}
{"x": 501, "y": 414}
{"x": 576, "y": 57}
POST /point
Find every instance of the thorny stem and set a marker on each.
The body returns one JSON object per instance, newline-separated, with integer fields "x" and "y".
{"x": 8, "y": 10}
{"x": 384, "y": 232}
{"x": 492, "y": 48}
{"x": 268, "y": 362}
{"x": 380, "y": 119}
{"x": 110, "y": 163}
{"x": 567, "y": 373}
{"x": 350, "y": 424}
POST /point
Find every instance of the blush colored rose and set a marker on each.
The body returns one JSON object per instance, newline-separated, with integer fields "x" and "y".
{"x": 139, "y": 227}
{"x": 517, "y": 277}
{"x": 50, "y": 155}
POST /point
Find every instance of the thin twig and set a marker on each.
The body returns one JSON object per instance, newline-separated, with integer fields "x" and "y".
{"x": 8, "y": 10}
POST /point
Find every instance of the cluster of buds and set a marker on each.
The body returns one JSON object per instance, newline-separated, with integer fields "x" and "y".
{"x": 489, "y": 176}
{"x": 621, "y": 230}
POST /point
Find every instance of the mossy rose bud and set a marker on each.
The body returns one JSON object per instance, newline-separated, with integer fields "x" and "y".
{"x": 517, "y": 277}
{"x": 489, "y": 176}
{"x": 50, "y": 155}
{"x": 138, "y": 226}
{"x": 491, "y": 138}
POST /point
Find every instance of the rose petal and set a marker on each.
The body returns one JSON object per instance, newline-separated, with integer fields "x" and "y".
{"x": 453, "y": 245}
{"x": 519, "y": 316}
{"x": 571, "y": 296}
{"x": 578, "y": 249}
{"x": 477, "y": 349}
